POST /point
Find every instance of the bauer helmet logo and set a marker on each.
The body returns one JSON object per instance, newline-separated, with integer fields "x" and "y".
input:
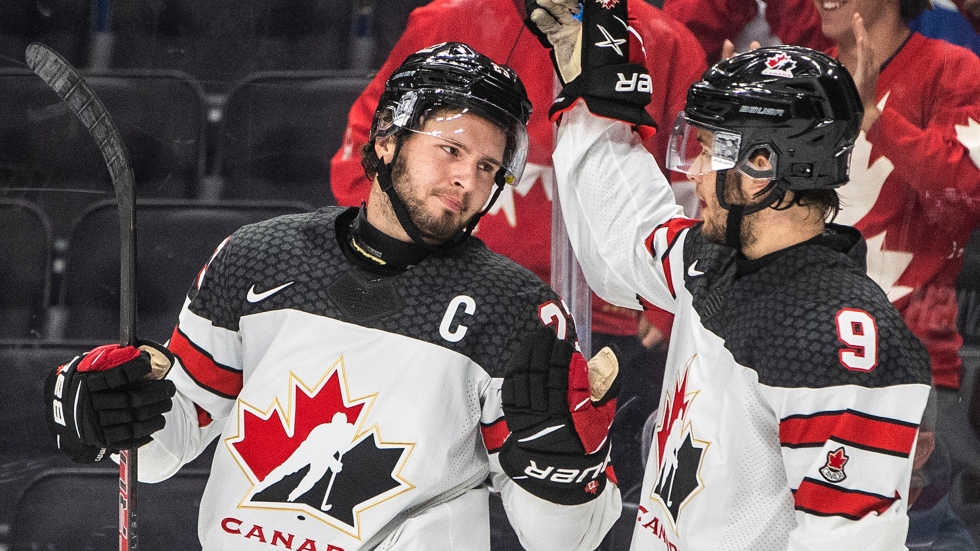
{"x": 779, "y": 65}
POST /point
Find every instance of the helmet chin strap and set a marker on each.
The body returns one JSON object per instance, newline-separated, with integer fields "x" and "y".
{"x": 736, "y": 213}
{"x": 401, "y": 210}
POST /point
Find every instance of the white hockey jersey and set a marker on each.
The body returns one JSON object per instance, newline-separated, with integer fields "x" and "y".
{"x": 353, "y": 410}
{"x": 793, "y": 390}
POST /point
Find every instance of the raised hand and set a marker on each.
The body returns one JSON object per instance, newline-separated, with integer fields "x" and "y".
{"x": 866, "y": 73}
{"x": 555, "y": 24}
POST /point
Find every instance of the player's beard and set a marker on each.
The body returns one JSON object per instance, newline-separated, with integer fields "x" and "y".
{"x": 435, "y": 229}
{"x": 715, "y": 227}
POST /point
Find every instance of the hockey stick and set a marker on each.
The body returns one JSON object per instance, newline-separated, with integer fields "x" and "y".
{"x": 326, "y": 495}
{"x": 61, "y": 77}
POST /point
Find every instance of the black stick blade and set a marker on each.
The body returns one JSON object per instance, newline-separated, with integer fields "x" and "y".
{"x": 61, "y": 77}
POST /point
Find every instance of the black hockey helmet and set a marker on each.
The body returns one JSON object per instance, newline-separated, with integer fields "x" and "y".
{"x": 453, "y": 74}
{"x": 799, "y": 105}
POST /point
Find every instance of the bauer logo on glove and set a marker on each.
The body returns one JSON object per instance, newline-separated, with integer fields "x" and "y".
{"x": 558, "y": 408}
{"x": 599, "y": 58}
{"x": 109, "y": 399}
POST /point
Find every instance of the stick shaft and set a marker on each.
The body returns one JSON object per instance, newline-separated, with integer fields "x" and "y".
{"x": 61, "y": 77}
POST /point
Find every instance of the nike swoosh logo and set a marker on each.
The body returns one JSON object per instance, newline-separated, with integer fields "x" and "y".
{"x": 254, "y": 297}
{"x": 693, "y": 270}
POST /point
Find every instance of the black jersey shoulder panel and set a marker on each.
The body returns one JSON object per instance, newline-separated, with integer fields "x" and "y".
{"x": 784, "y": 320}
{"x": 302, "y": 250}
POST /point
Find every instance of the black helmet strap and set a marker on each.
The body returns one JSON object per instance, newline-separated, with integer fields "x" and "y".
{"x": 733, "y": 225}
{"x": 401, "y": 210}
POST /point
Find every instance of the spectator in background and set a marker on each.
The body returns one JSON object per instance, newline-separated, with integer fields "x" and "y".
{"x": 779, "y": 22}
{"x": 946, "y": 22}
{"x": 916, "y": 183}
{"x": 519, "y": 224}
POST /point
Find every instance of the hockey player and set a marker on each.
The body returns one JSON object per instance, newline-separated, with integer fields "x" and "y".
{"x": 793, "y": 390}
{"x": 383, "y": 334}
{"x": 519, "y": 225}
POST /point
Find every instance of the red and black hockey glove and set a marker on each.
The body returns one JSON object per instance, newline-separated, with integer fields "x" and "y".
{"x": 109, "y": 399}
{"x": 558, "y": 414}
{"x": 600, "y": 60}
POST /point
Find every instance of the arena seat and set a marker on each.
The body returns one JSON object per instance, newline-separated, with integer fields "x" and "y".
{"x": 174, "y": 240}
{"x": 279, "y": 131}
{"x": 26, "y": 448}
{"x": 962, "y": 439}
{"x": 221, "y": 41}
{"x": 161, "y": 116}
{"x": 62, "y": 24}
{"x": 77, "y": 509}
{"x": 25, "y": 269}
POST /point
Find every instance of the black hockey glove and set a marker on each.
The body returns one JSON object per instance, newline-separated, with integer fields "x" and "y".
{"x": 600, "y": 60}
{"x": 108, "y": 399}
{"x": 558, "y": 408}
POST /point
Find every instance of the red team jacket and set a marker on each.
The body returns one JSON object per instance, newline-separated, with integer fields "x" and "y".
{"x": 519, "y": 224}
{"x": 712, "y": 21}
{"x": 915, "y": 189}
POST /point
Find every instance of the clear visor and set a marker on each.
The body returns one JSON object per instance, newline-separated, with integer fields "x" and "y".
{"x": 458, "y": 148}
{"x": 696, "y": 151}
{"x": 454, "y": 128}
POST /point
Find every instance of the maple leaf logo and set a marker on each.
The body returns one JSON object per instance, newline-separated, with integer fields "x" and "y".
{"x": 592, "y": 487}
{"x": 315, "y": 455}
{"x": 833, "y": 470}
{"x": 506, "y": 201}
{"x": 858, "y": 198}
{"x": 777, "y": 60}
{"x": 780, "y": 65}
{"x": 675, "y": 409}
{"x": 969, "y": 135}
{"x": 608, "y": 4}
{"x": 679, "y": 454}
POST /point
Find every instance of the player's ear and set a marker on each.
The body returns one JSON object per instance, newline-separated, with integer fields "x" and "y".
{"x": 761, "y": 163}
{"x": 385, "y": 148}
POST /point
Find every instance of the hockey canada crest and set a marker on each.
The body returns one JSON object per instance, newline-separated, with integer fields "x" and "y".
{"x": 833, "y": 470}
{"x": 779, "y": 65}
{"x": 679, "y": 453}
{"x": 315, "y": 456}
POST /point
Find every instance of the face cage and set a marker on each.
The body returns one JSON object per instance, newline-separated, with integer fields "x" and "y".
{"x": 698, "y": 149}
{"x": 413, "y": 104}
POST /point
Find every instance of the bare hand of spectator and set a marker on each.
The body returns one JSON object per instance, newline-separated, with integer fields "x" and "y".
{"x": 866, "y": 74}
{"x": 648, "y": 333}
{"x": 728, "y": 48}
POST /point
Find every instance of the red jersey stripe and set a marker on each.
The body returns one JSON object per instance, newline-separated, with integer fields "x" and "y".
{"x": 818, "y": 498}
{"x": 674, "y": 226}
{"x": 850, "y": 427}
{"x": 494, "y": 434}
{"x": 221, "y": 380}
